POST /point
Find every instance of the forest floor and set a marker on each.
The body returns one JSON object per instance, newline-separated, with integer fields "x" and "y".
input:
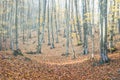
{"x": 22, "y": 68}
{"x": 34, "y": 67}
{"x": 51, "y": 65}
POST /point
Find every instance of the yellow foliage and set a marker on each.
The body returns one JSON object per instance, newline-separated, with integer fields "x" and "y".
{"x": 73, "y": 35}
{"x": 118, "y": 1}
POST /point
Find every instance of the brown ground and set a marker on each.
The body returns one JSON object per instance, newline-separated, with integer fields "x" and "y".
{"x": 21, "y": 68}
{"x": 50, "y": 65}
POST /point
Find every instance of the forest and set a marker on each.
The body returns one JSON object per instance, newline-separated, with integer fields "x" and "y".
{"x": 59, "y": 39}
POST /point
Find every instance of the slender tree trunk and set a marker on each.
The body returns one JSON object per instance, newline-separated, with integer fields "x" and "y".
{"x": 0, "y": 39}
{"x": 16, "y": 25}
{"x": 56, "y": 23}
{"x": 67, "y": 25}
{"x": 85, "y": 29}
{"x": 71, "y": 25}
{"x": 103, "y": 31}
{"x": 11, "y": 30}
{"x": 39, "y": 48}
{"x": 93, "y": 29}
{"x": 40, "y": 41}
{"x": 52, "y": 25}
{"x": 119, "y": 19}
{"x": 119, "y": 25}
{"x": 78, "y": 22}
{"x": 48, "y": 22}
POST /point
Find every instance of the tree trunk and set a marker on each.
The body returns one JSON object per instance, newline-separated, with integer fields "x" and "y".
{"x": 85, "y": 28}
{"x": 67, "y": 26}
{"x": 16, "y": 25}
{"x": 103, "y": 31}
{"x": 52, "y": 24}
{"x": 78, "y": 22}
{"x": 48, "y": 23}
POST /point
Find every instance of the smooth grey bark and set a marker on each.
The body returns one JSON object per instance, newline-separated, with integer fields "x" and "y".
{"x": 71, "y": 41}
{"x": 11, "y": 32}
{"x": 38, "y": 33}
{"x": 0, "y": 39}
{"x": 52, "y": 24}
{"x": 103, "y": 31}
{"x": 0, "y": 34}
{"x": 16, "y": 25}
{"x": 93, "y": 29}
{"x": 119, "y": 25}
{"x": 78, "y": 22}
{"x": 23, "y": 38}
{"x": 43, "y": 9}
{"x": 67, "y": 11}
{"x": 56, "y": 23}
{"x": 48, "y": 13}
{"x": 119, "y": 19}
{"x": 58, "y": 19}
{"x": 85, "y": 28}
{"x": 29, "y": 15}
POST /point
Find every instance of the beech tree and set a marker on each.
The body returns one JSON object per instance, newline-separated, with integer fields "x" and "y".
{"x": 85, "y": 27}
{"x": 16, "y": 24}
{"x": 78, "y": 22}
{"x": 103, "y": 31}
{"x": 41, "y": 36}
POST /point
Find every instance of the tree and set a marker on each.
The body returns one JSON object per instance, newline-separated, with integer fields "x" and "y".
{"x": 41, "y": 37}
{"x": 16, "y": 25}
{"x": 93, "y": 29}
{"x": 0, "y": 39}
{"x": 38, "y": 47}
{"x": 67, "y": 7}
{"x": 85, "y": 27}
{"x": 48, "y": 13}
{"x": 11, "y": 28}
{"x": 78, "y": 22}
{"x": 52, "y": 24}
{"x": 103, "y": 31}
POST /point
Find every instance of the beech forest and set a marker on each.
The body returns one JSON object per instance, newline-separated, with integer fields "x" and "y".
{"x": 59, "y": 39}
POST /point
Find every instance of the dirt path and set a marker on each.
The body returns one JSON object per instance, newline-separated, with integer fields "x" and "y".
{"x": 58, "y": 60}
